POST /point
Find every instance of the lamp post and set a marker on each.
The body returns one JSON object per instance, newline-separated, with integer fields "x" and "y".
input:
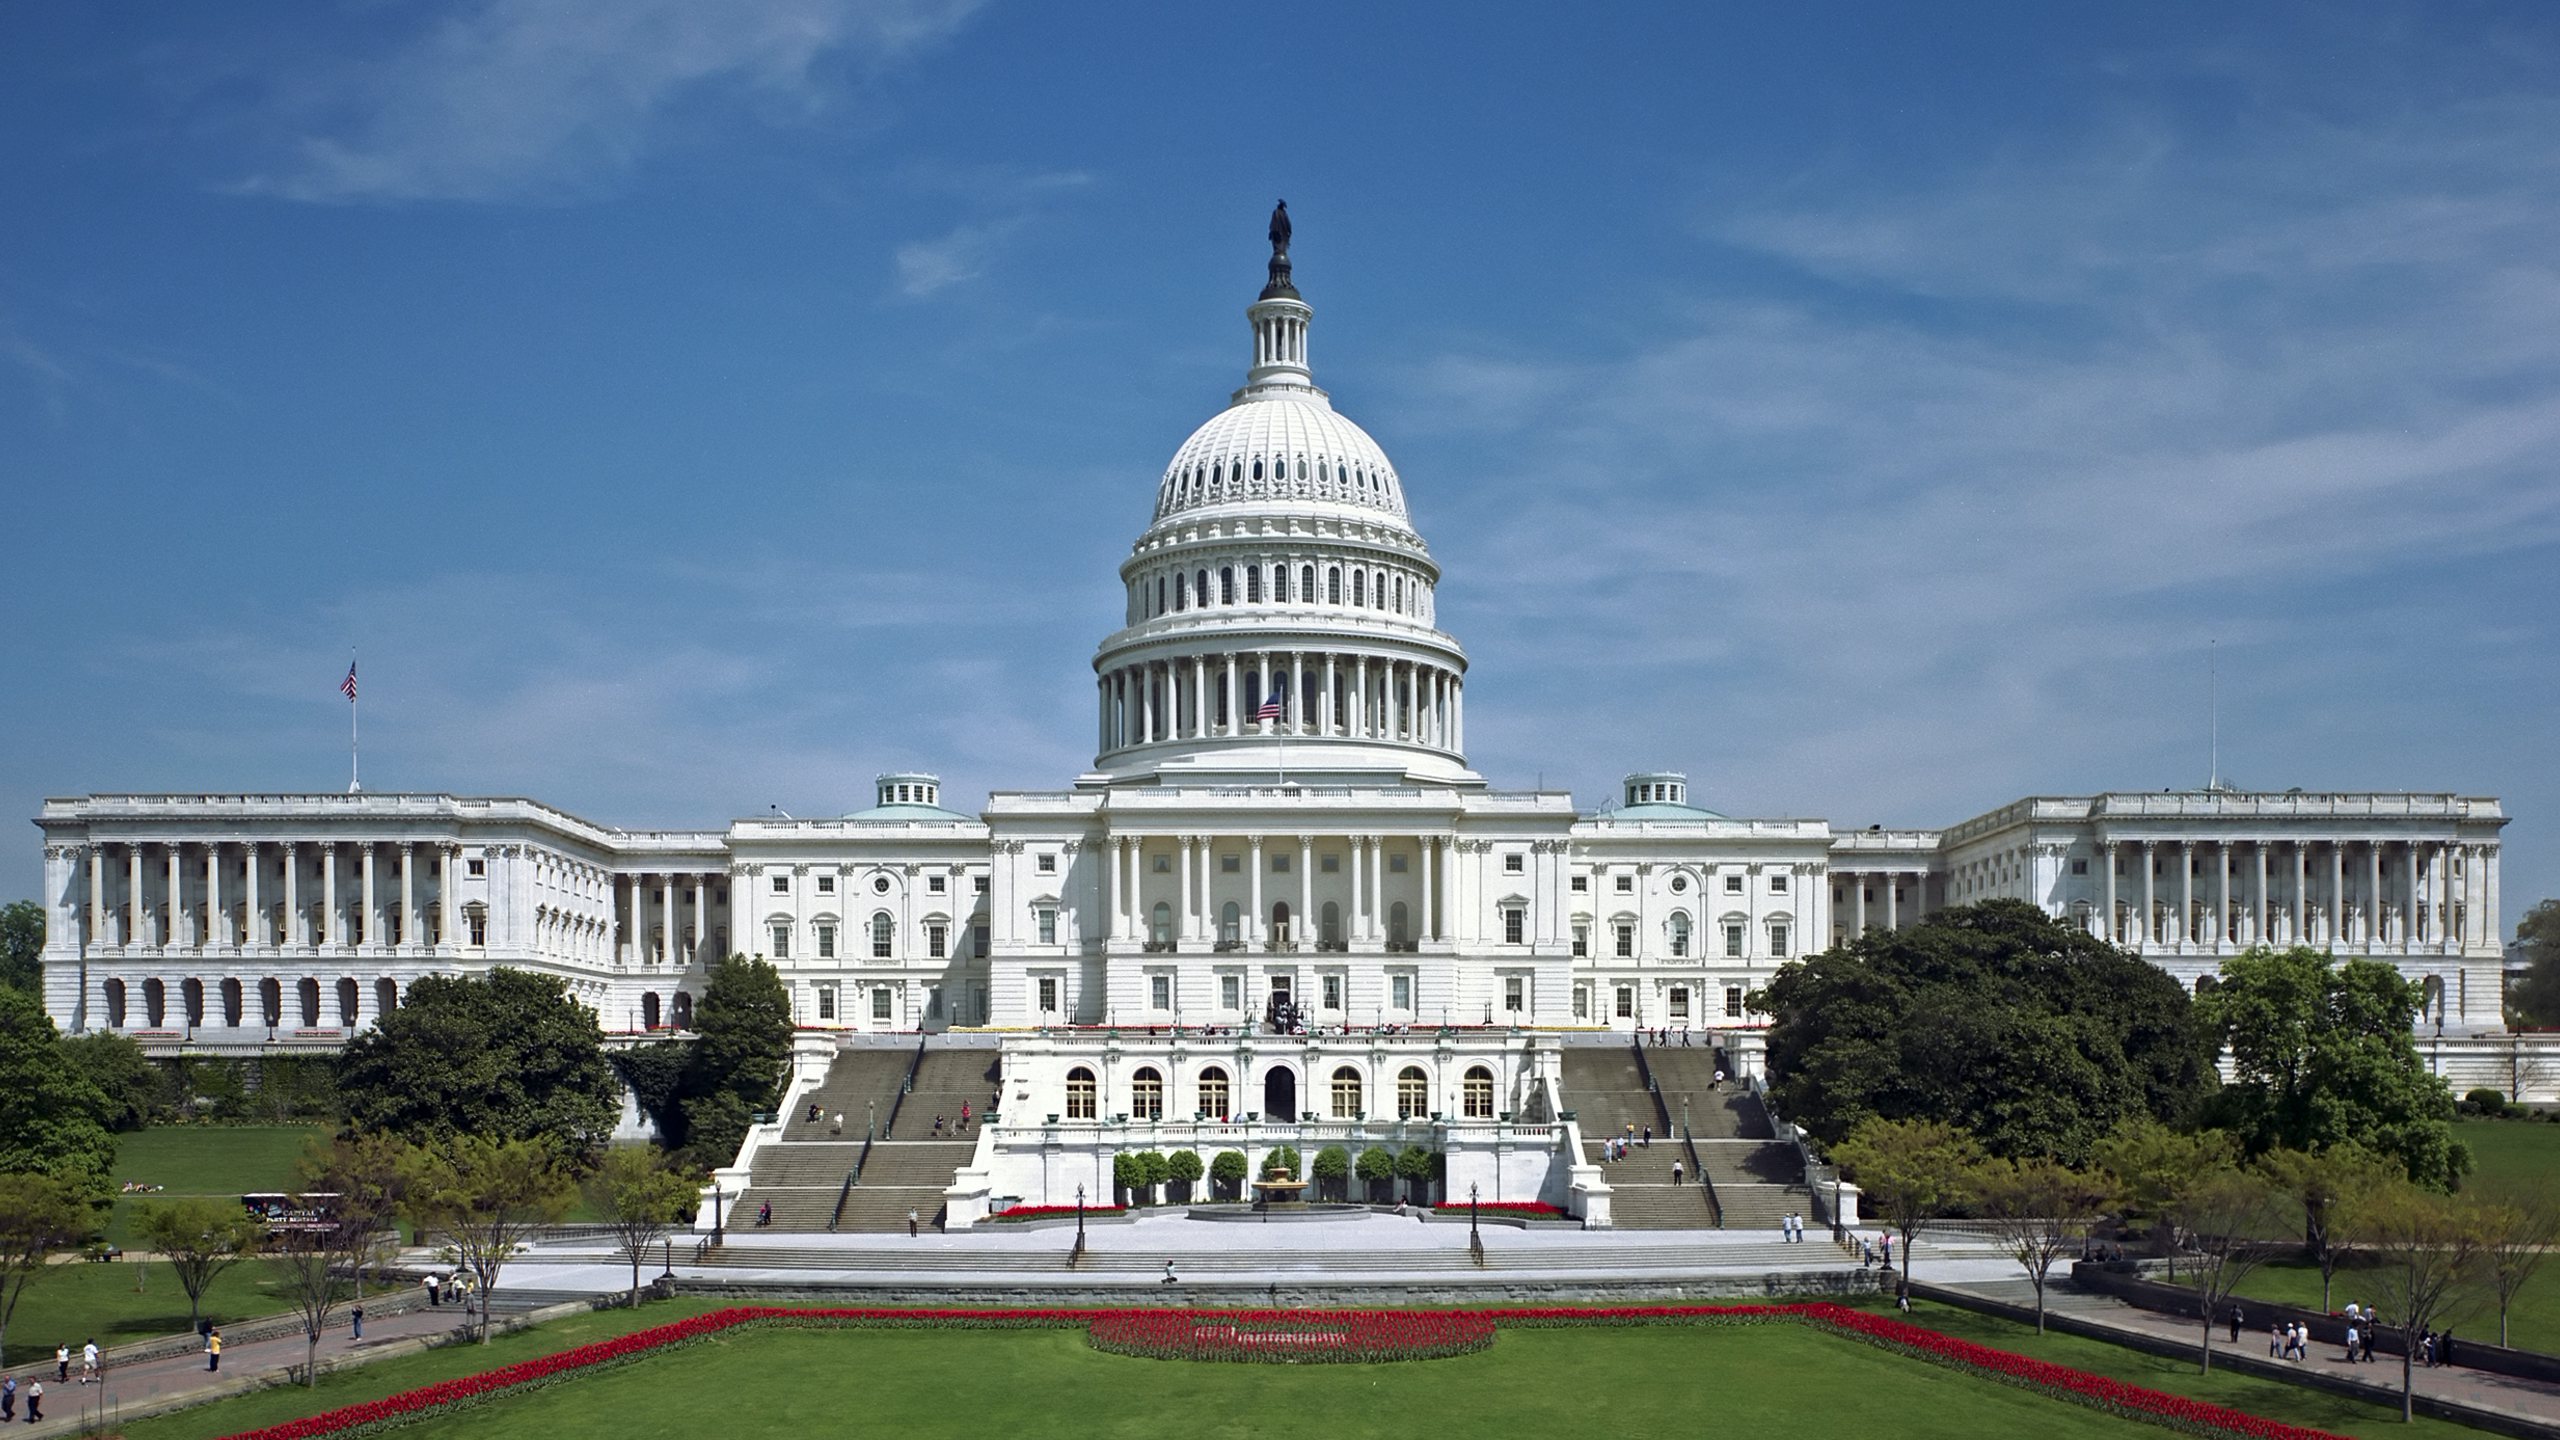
{"x": 1475, "y": 1236}
{"x": 1079, "y": 1250}
{"x": 717, "y": 1195}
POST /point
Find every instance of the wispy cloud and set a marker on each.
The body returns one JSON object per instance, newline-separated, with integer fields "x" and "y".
{"x": 1011, "y": 200}
{"x": 926, "y": 266}
{"x": 553, "y": 99}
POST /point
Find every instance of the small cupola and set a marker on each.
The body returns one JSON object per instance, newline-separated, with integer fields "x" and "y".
{"x": 1658, "y": 787}
{"x": 910, "y": 788}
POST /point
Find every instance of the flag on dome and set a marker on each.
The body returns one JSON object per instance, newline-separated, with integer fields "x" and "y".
{"x": 349, "y": 684}
{"x": 1270, "y": 709}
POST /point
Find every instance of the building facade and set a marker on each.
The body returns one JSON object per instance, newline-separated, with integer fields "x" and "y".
{"x": 1278, "y": 876}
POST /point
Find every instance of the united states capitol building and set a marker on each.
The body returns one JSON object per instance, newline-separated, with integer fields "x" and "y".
{"x": 1278, "y": 896}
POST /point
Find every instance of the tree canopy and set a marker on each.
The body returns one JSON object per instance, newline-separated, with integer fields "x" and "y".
{"x": 2535, "y": 999}
{"x": 2034, "y": 1036}
{"x": 22, "y": 946}
{"x": 2323, "y": 1054}
{"x": 701, "y": 1092}
{"x": 506, "y": 1056}
{"x": 129, "y": 1083}
{"x": 54, "y": 1120}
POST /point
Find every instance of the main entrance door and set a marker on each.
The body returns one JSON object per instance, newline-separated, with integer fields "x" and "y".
{"x": 1279, "y": 1094}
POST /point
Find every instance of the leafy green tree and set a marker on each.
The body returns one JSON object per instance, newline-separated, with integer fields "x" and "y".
{"x": 2320, "y": 1183}
{"x": 1227, "y": 1169}
{"x": 508, "y": 1055}
{"x": 2225, "y": 1215}
{"x": 1376, "y": 1168}
{"x": 2429, "y": 1254}
{"x": 655, "y": 1072}
{"x": 22, "y": 946}
{"x": 52, "y": 1119}
{"x": 38, "y": 1215}
{"x": 1183, "y": 1168}
{"x": 641, "y": 1195}
{"x": 486, "y": 1196}
{"x": 2534, "y": 1000}
{"x": 1129, "y": 1177}
{"x": 1414, "y": 1166}
{"x": 1333, "y": 1169}
{"x": 2038, "y": 1208}
{"x": 2324, "y": 1054}
{"x": 2032, "y": 1035}
{"x": 742, "y": 1042}
{"x": 135, "y": 1089}
{"x": 1910, "y": 1170}
{"x": 199, "y": 1237}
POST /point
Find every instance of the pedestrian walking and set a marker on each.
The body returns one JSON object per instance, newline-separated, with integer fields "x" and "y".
{"x": 2351, "y": 1344}
{"x": 964, "y": 1114}
{"x": 8, "y": 1399}
{"x": 35, "y": 1401}
{"x": 835, "y": 1126}
{"x": 1648, "y": 1137}
{"x": 764, "y": 1214}
{"x": 213, "y": 1350}
{"x": 1675, "y": 1174}
{"x": 2275, "y": 1342}
{"x": 62, "y": 1363}
{"x": 911, "y": 1224}
{"x": 355, "y": 1321}
{"x": 2235, "y": 1324}
{"x": 89, "y": 1362}
{"x": 435, "y": 1289}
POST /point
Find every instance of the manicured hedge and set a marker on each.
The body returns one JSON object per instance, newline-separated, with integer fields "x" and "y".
{"x": 1226, "y": 1334}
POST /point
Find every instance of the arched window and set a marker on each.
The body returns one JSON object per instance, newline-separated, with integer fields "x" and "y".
{"x": 1359, "y": 588}
{"x": 308, "y": 993}
{"x": 1332, "y": 922}
{"x": 1279, "y": 584}
{"x": 1253, "y": 584}
{"x": 1227, "y": 585}
{"x": 1080, "y": 1094}
{"x": 1302, "y": 467}
{"x": 1218, "y": 473}
{"x": 1399, "y": 592}
{"x": 684, "y": 1011}
{"x": 1200, "y": 586}
{"x": 1307, "y": 583}
{"x": 1346, "y": 1093}
{"x": 1324, "y": 473}
{"x": 1213, "y": 1093}
{"x": 1229, "y": 920}
{"x": 649, "y": 1010}
{"x": 1161, "y": 930}
{"x": 347, "y": 995}
{"x": 1159, "y": 594}
{"x": 1413, "y": 1093}
{"x": 1181, "y": 592}
{"x": 1257, "y": 467}
{"x": 1476, "y": 1093}
{"x": 115, "y": 1004}
{"x": 1280, "y": 920}
{"x": 1679, "y": 935}
{"x": 231, "y": 1003}
{"x": 155, "y": 1002}
{"x": 1396, "y": 923}
{"x": 192, "y": 992}
{"x": 1333, "y": 585}
{"x": 1146, "y": 1094}
{"x": 884, "y": 931}
{"x": 271, "y": 1002}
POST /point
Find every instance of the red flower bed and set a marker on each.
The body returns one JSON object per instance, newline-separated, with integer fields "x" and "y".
{"x": 1043, "y": 1212}
{"x": 1308, "y": 1335}
{"x": 1516, "y": 1209}
{"x": 1292, "y": 1336}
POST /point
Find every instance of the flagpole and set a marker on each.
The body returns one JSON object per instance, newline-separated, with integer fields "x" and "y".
{"x": 354, "y": 754}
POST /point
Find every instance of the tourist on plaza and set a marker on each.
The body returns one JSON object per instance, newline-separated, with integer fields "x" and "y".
{"x": 2352, "y": 1337}
{"x": 2275, "y": 1342}
{"x": 1169, "y": 1277}
{"x": 355, "y": 1321}
{"x": 62, "y": 1363}
{"x": 213, "y": 1350}
{"x": 2236, "y": 1319}
{"x": 912, "y": 1219}
{"x": 964, "y": 1114}
{"x": 816, "y": 1112}
{"x": 8, "y": 1398}
{"x": 1648, "y": 1137}
{"x": 35, "y": 1401}
{"x": 1675, "y": 1172}
{"x": 836, "y": 1126}
{"x": 89, "y": 1363}
{"x": 2444, "y": 1347}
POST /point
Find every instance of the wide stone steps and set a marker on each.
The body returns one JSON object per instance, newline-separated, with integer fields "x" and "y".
{"x": 1102, "y": 1256}
{"x": 945, "y": 1081}
{"x": 856, "y": 1076}
{"x": 1689, "y": 1073}
{"x": 803, "y": 1178}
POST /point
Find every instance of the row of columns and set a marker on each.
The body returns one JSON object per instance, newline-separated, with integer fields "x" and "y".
{"x": 2438, "y": 907}
{"x": 1196, "y": 922}
{"x": 1357, "y": 696}
{"x": 172, "y": 1002}
{"x": 654, "y": 895}
{"x": 1886, "y": 908}
{"x": 255, "y": 926}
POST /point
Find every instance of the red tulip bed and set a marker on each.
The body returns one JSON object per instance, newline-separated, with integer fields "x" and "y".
{"x": 1044, "y": 1212}
{"x": 1299, "y": 1336}
{"x": 1514, "y": 1209}
{"x": 1292, "y": 1336}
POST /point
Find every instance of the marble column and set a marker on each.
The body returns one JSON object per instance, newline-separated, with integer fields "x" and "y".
{"x": 329, "y": 928}
{"x": 2150, "y": 895}
{"x": 408, "y": 930}
{"x": 1306, "y": 892}
{"x": 2337, "y": 890}
{"x": 1257, "y": 927}
{"x": 1182, "y": 925}
{"x": 2186, "y": 897}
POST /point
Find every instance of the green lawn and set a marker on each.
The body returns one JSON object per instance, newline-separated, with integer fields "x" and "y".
{"x": 1770, "y": 1382}
{"x": 2511, "y": 1149}
{"x": 221, "y": 1160}
{"x": 2269, "y": 1398}
{"x": 77, "y": 1300}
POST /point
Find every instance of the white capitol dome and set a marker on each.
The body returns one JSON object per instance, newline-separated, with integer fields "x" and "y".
{"x": 1275, "y": 445}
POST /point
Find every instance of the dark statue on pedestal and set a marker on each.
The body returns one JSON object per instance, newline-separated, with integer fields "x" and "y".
{"x": 1280, "y": 288}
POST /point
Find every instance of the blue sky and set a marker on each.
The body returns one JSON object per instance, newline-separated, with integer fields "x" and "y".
{"x": 1879, "y": 412}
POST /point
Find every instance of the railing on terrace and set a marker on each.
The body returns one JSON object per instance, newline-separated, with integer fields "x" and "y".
{"x": 1706, "y": 1182}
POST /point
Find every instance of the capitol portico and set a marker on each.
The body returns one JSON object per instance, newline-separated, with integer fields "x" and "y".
{"x": 1279, "y": 896}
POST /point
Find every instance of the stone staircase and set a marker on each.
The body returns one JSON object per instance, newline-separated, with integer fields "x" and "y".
{"x": 1759, "y": 1179}
{"x": 909, "y": 1166}
{"x": 1104, "y": 1257}
{"x": 1605, "y": 1089}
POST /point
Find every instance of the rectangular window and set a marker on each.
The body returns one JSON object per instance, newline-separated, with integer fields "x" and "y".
{"x": 880, "y": 1003}
{"x": 479, "y": 929}
{"x": 1515, "y": 924}
{"x": 1579, "y": 884}
{"x": 1230, "y": 864}
{"x": 1777, "y": 884}
{"x": 1049, "y": 994}
{"x": 1253, "y": 584}
{"x": 1230, "y": 992}
{"x": 1515, "y": 993}
{"x": 1679, "y": 1002}
{"x": 782, "y": 941}
{"x": 1733, "y": 884}
{"x": 781, "y": 884}
{"x": 1400, "y": 992}
{"x": 1581, "y": 1002}
{"x": 826, "y": 884}
{"x": 1733, "y": 1002}
{"x": 936, "y": 940}
{"x": 1626, "y": 1002}
{"x": 978, "y": 942}
{"x": 1333, "y": 992}
{"x": 1280, "y": 863}
{"x": 1626, "y": 941}
{"x": 1330, "y": 865}
{"x": 1626, "y": 884}
{"x": 1047, "y": 919}
{"x": 1164, "y": 864}
{"x": 826, "y": 942}
{"x": 1047, "y": 865}
{"x": 1514, "y": 864}
{"x": 475, "y": 866}
{"x": 933, "y": 884}
{"x": 1778, "y": 941}
{"x": 1733, "y": 940}
{"x": 1160, "y": 991}
{"x": 1581, "y": 939}
{"x": 1395, "y": 864}
{"x": 978, "y": 885}
{"x": 826, "y": 1002}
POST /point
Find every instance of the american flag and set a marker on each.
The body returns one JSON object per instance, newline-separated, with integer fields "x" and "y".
{"x": 1270, "y": 709}
{"x": 349, "y": 684}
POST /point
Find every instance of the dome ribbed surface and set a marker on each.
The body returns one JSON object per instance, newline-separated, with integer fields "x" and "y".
{"x": 1304, "y": 450}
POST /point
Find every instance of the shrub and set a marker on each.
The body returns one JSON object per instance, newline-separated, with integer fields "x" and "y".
{"x": 1228, "y": 1167}
{"x": 1332, "y": 1163}
{"x": 1184, "y": 1165}
{"x": 2483, "y": 1100}
{"x": 1129, "y": 1175}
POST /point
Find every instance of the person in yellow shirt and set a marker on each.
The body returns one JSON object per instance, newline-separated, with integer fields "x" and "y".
{"x": 213, "y": 1350}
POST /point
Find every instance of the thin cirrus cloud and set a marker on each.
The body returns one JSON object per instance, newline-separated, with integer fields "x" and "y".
{"x": 546, "y": 100}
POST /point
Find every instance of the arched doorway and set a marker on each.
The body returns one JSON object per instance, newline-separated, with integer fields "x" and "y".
{"x": 1280, "y": 921}
{"x": 1332, "y": 932}
{"x": 1280, "y": 1093}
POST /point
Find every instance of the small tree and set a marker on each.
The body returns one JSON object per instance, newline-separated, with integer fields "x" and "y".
{"x": 2518, "y": 1223}
{"x": 1333, "y": 1169}
{"x": 2153, "y": 1166}
{"x": 199, "y": 1237}
{"x": 344, "y": 1193}
{"x": 1153, "y": 1170}
{"x": 1129, "y": 1177}
{"x": 38, "y": 1215}
{"x": 1911, "y": 1169}
{"x": 641, "y": 1196}
{"x": 487, "y": 1195}
{"x": 1413, "y": 1166}
{"x": 2038, "y": 1208}
{"x": 2430, "y": 1254}
{"x": 2321, "y": 1182}
{"x": 1228, "y": 1169}
{"x": 2227, "y": 1214}
{"x": 1378, "y": 1168}
{"x": 1183, "y": 1168}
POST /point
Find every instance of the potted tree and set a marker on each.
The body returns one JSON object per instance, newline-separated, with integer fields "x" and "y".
{"x": 1226, "y": 1174}
{"x": 1377, "y": 1167}
{"x": 1182, "y": 1171}
{"x": 1414, "y": 1166}
{"x": 1333, "y": 1172}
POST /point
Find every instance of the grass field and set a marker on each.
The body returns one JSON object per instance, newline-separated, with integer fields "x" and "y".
{"x": 1769, "y": 1382}
{"x": 219, "y": 1160}
{"x": 2511, "y": 1149}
